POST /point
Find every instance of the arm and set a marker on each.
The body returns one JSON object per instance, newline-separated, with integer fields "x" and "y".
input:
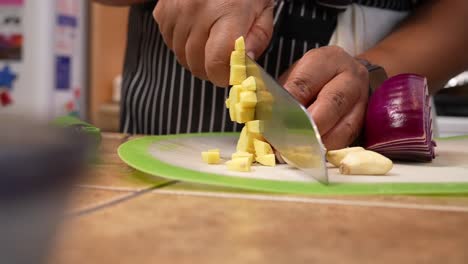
{"x": 120, "y": 2}
{"x": 432, "y": 42}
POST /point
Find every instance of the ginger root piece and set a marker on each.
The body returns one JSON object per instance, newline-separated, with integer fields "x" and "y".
{"x": 234, "y": 94}
{"x": 238, "y": 74}
{"x": 245, "y": 143}
{"x": 237, "y": 58}
{"x": 255, "y": 126}
{"x": 211, "y": 156}
{"x": 365, "y": 163}
{"x": 241, "y": 104}
{"x": 336, "y": 156}
{"x": 239, "y": 164}
{"x": 243, "y": 154}
{"x": 249, "y": 84}
{"x": 244, "y": 114}
{"x": 267, "y": 160}
{"x": 238, "y": 68}
{"x": 233, "y": 99}
{"x": 240, "y": 44}
{"x": 248, "y": 99}
{"x": 262, "y": 148}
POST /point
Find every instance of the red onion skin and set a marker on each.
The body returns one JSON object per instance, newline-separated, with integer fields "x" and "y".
{"x": 398, "y": 119}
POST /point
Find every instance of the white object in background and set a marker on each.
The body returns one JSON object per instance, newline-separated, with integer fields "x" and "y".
{"x": 452, "y": 126}
{"x": 360, "y": 27}
{"x": 459, "y": 80}
{"x": 51, "y": 71}
{"x": 117, "y": 88}
{"x": 434, "y": 123}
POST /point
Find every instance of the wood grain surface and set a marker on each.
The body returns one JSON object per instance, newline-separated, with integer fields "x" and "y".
{"x": 187, "y": 223}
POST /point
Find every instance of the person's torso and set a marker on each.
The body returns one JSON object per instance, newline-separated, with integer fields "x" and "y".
{"x": 160, "y": 97}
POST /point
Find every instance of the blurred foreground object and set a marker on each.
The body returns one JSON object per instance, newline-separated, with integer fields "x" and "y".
{"x": 38, "y": 165}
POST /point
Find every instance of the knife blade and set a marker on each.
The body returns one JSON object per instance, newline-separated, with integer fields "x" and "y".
{"x": 287, "y": 126}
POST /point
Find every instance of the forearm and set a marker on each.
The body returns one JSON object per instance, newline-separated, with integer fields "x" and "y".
{"x": 432, "y": 42}
{"x": 120, "y": 2}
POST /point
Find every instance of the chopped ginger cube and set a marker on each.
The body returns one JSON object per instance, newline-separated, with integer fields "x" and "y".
{"x": 234, "y": 95}
{"x": 232, "y": 114}
{"x": 211, "y": 157}
{"x": 240, "y": 44}
{"x": 233, "y": 100}
{"x": 238, "y": 74}
{"x": 248, "y": 99}
{"x": 267, "y": 160}
{"x": 249, "y": 84}
{"x": 228, "y": 103}
{"x": 245, "y": 143}
{"x": 243, "y": 154}
{"x": 255, "y": 126}
{"x": 239, "y": 164}
{"x": 244, "y": 114}
{"x": 262, "y": 148}
{"x": 237, "y": 58}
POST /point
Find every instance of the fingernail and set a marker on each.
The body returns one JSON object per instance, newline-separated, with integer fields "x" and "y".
{"x": 251, "y": 55}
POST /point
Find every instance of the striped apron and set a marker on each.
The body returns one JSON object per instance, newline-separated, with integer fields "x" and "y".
{"x": 160, "y": 97}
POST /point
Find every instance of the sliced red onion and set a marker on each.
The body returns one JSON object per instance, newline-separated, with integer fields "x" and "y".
{"x": 398, "y": 121}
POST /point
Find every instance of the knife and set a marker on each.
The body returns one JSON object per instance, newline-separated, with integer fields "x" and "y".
{"x": 287, "y": 126}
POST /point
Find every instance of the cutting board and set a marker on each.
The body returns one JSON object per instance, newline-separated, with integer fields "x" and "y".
{"x": 178, "y": 157}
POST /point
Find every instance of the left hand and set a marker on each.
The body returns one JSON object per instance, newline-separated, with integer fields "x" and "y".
{"x": 334, "y": 87}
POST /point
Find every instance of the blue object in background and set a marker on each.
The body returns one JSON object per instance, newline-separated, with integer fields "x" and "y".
{"x": 7, "y": 77}
{"x": 65, "y": 20}
{"x": 62, "y": 72}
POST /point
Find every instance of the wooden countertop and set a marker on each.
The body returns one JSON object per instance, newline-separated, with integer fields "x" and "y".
{"x": 124, "y": 216}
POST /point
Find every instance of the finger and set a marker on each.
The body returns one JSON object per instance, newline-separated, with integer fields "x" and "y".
{"x": 348, "y": 128}
{"x": 260, "y": 33}
{"x": 220, "y": 45}
{"x": 158, "y": 12}
{"x": 285, "y": 76}
{"x": 307, "y": 77}
{"x": 195, "y": 51}
{"x": 181, "y": 33}
{"x": 335, "y": 100}
{"x": 165, "y": 15}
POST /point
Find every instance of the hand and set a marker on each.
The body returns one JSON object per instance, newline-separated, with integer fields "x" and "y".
{"x": 334, "y": 88}
{"x": 202, "y": 32}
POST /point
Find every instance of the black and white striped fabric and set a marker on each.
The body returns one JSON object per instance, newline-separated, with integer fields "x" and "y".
{"x": 160, "y": 97}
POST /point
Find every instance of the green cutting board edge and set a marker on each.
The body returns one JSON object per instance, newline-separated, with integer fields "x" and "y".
{"x": 135, "y": 153}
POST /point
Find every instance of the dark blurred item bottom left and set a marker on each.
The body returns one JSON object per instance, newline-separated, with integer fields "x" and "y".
{"x": 38, "y": 165}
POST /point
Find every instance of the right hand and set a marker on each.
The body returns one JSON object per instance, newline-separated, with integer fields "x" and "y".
{"x": 202, "y": 32}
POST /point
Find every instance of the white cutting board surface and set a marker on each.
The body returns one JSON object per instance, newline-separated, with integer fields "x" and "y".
{"x": 450, "y": 165}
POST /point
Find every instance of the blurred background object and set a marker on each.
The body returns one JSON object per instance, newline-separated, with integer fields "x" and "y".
{"x": 460, "y": 80}
{"x": 452, "y": 107}
{"x": 43, "y": 57}
{"x": 38, "y": 166}
{"x": 107, "y": 42}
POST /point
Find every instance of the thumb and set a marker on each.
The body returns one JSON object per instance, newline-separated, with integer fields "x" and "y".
{"x": 260, "y": 33}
